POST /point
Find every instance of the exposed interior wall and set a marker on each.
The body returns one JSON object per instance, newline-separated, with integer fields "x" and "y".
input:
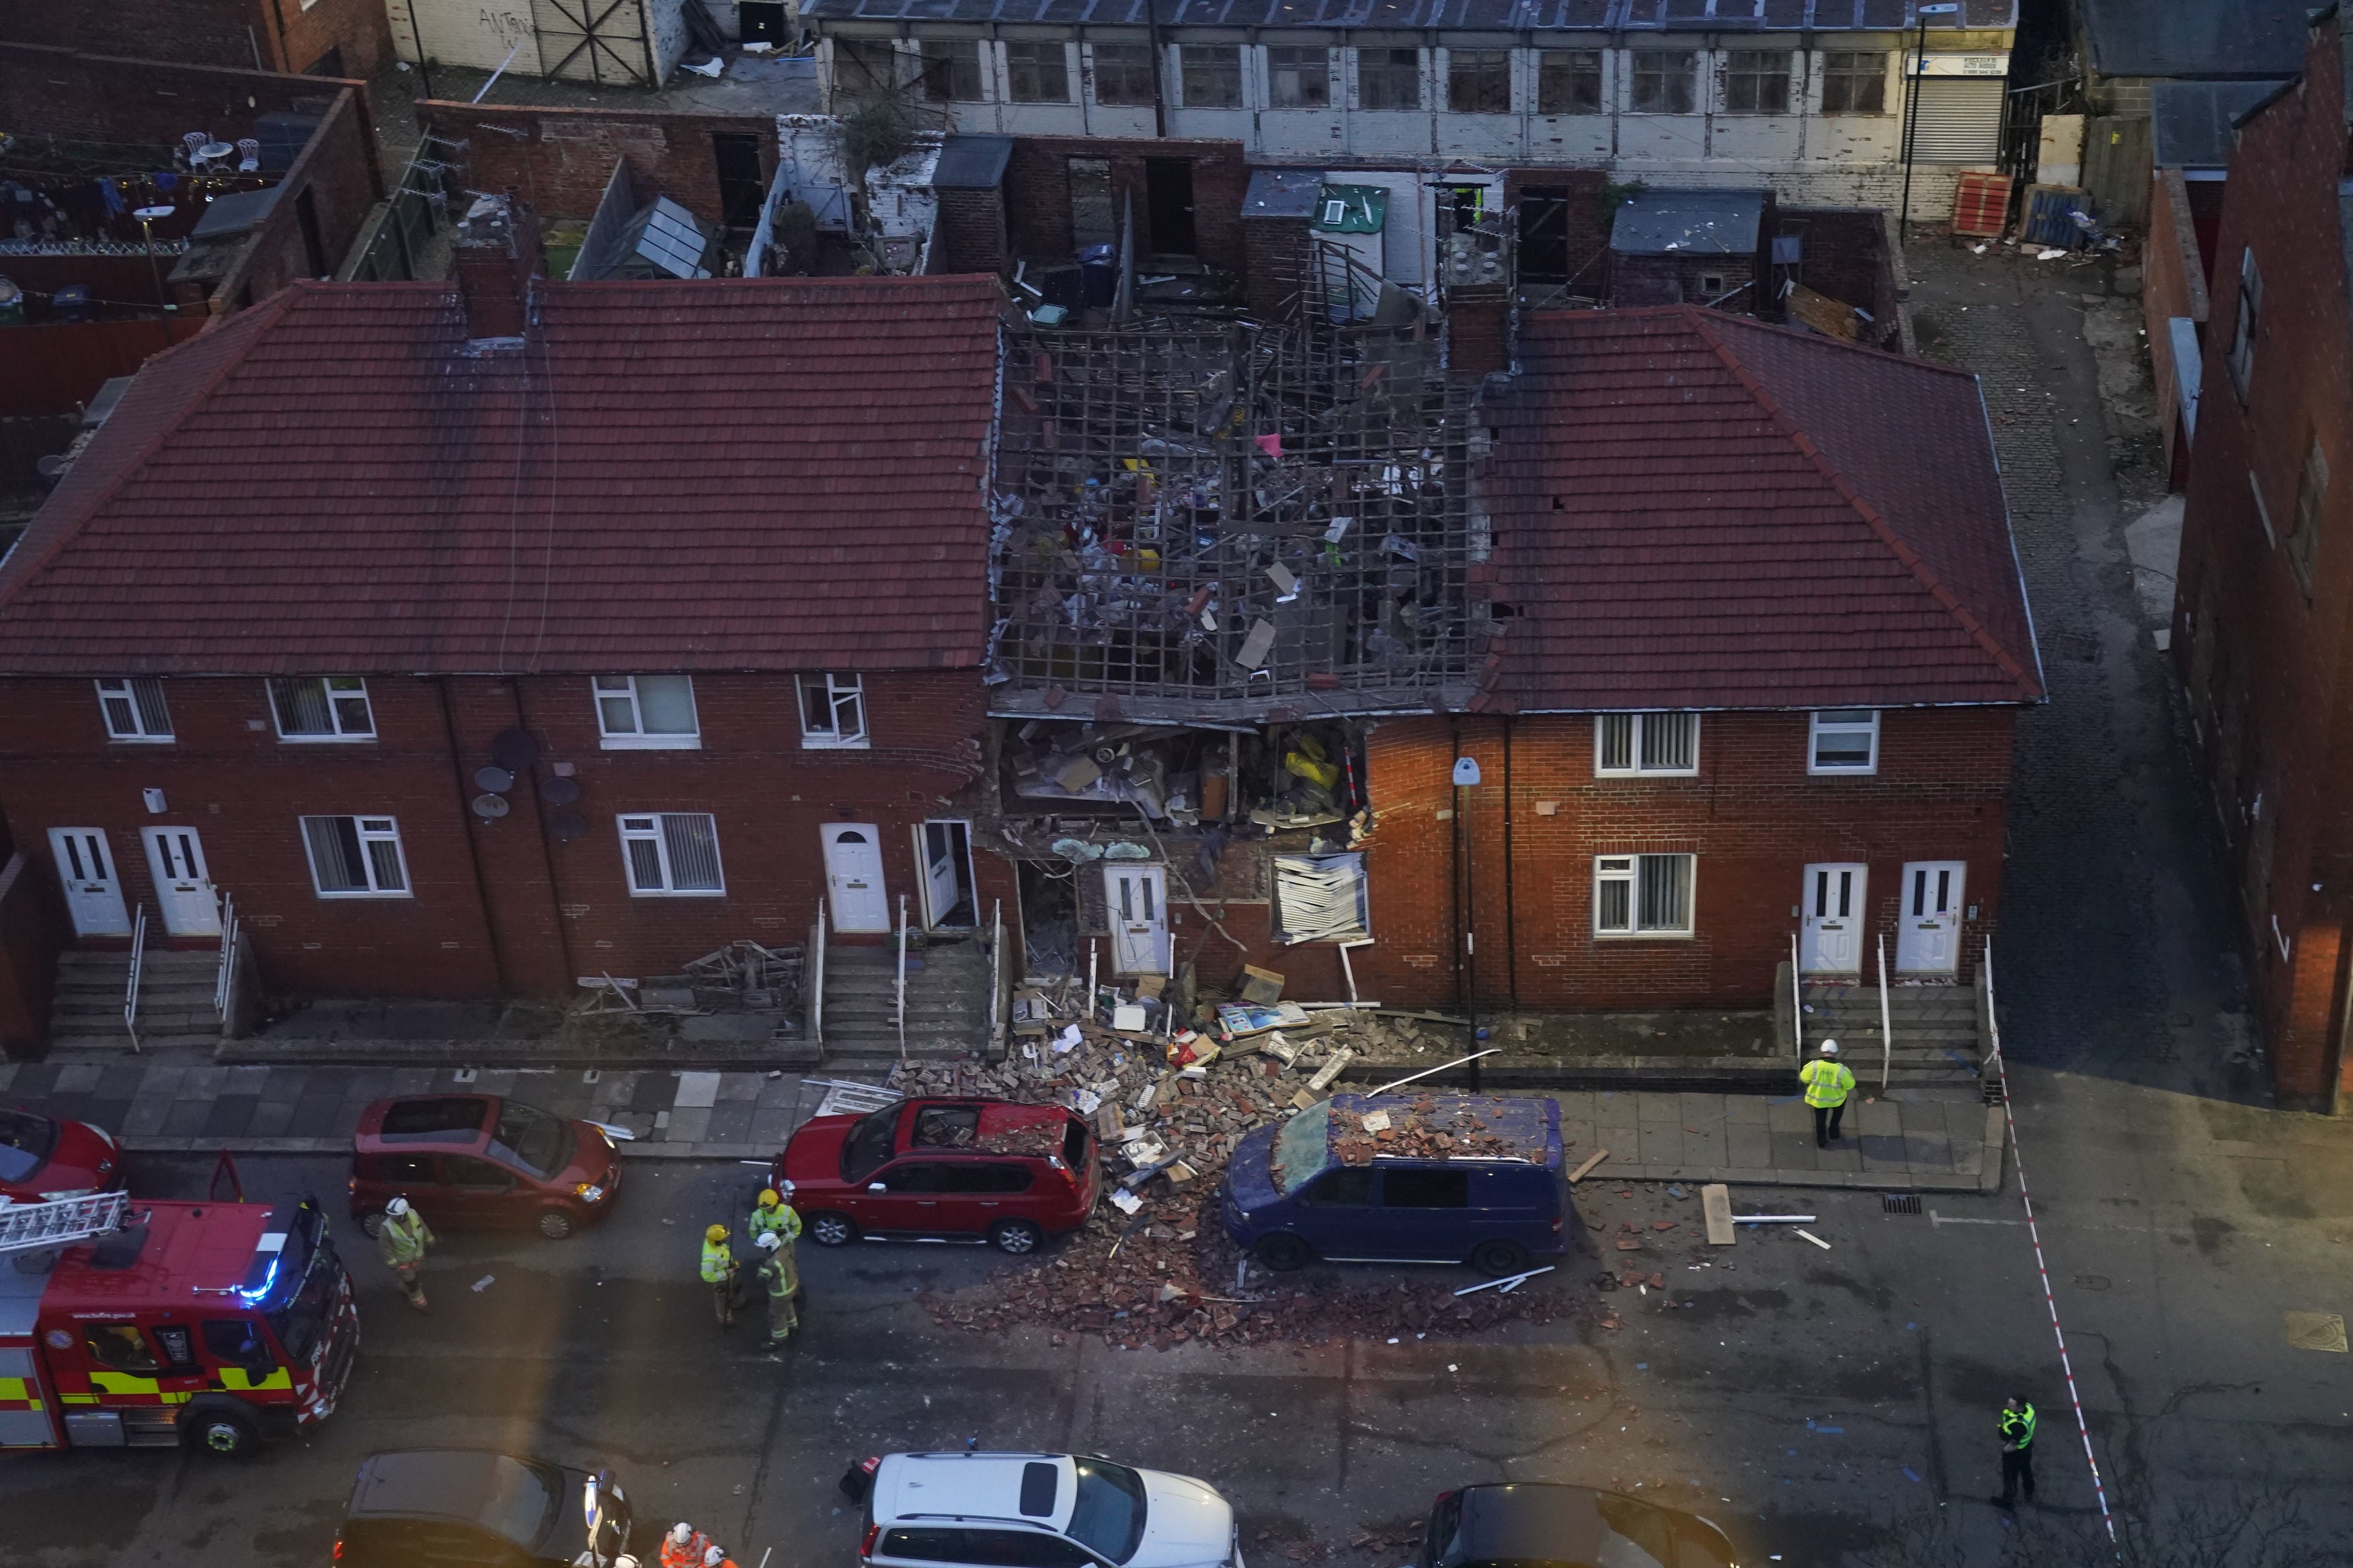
{"x": 560, "y": 159}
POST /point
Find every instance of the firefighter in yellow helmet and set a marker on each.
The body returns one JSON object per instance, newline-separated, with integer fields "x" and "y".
{"x": 719, "y": 1271}
{"x": 774, "y": 1213}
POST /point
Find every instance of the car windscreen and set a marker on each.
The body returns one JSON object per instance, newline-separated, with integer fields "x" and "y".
{"x": 296, "y": 1289}
{"x": 531, "y": 1140}
{"x": 26, "y": 1140}
{"x": 1303, "y": 1149}
{"x": 868, "y": 1143}
{"x": 1109, "y": 1513}
{"x": 520, "y": 1501}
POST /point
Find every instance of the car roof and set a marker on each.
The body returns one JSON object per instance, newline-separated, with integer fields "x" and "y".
{"x": 429, "y": 1483}
{"x": 968, "y": 1485}
{"x": 429, "y": 1120}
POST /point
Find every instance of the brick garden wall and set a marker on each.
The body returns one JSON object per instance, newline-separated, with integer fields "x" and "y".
{"x": 2173, "y": 283}
{"x": 212, "y": 32}
{"x": 496, "y": 907}
{"x": 560, "y": 159}
{"x": 1037, "y": 193}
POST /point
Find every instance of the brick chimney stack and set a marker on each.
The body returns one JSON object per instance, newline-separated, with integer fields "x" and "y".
{"x": 497, "y": 256}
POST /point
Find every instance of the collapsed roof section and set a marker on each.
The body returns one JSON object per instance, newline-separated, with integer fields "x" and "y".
{"x": 1237, "y": 523}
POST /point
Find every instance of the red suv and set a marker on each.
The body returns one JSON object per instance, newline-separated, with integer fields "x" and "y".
{"x": 476, "y": 1159}
{"x": 1013, "y": 1174}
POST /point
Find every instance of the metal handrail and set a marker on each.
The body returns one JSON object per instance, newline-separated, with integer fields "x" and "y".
{"x": 131, "y": 992}
{"x": 224, "y": 982}
{"x": 1796, "y": 999}
{"x": 817, "y": 979}
{"x": 899, "y": 1005}
{"x": 997, "y": 974}
{"x": 1886, "y": 1026}
{"x": 1993, "y": 1020}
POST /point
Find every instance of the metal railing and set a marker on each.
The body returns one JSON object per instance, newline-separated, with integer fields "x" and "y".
{"x": 131, "y": 991}
{"x": 1886, "y": 1026}
{"x": 225, "y": 982}
{"x": 1796, "y": 999}
{"x": 997, "y": 974}
{"x": 817, "y": 979}
{"x": 1993, "y": 1022}
{"x": 899, "y": 992}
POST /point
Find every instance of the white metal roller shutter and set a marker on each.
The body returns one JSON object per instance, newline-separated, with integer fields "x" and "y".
{"x": 1958, "y": 120}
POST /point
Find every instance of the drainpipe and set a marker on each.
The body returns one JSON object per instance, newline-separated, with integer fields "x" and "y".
{"x": 2332, "y": 1098}
{"x": 1511, "y": 903}
{"x": 466, "y": 820}
{"x": 546, "y": 856}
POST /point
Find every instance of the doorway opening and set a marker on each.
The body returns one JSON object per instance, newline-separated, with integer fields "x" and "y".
{"x": 741, "y": 190}
{"x": 1169, "y": 206}
{"x": 943, "y": 855}
{"x": 1050, "y": 918}
{"x": 1544, "y": 234}
{"x": 762, "y": 22}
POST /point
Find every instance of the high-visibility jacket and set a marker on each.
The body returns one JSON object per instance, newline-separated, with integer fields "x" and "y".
{"x": 689, "y": 1555}
{"x": 1828, "y": 1082}
{"x": 2018, "y": 1426}
{"x": 776, "y": 1272}
{"x": 718, "y": 1262}
{"x": 403, "y": 1240}
{"x": 780, "y": 1219}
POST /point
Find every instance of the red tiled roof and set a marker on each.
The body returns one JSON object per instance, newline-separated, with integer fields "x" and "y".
{"x": 749, "y": 474}
{"x": 1695, "y": 510}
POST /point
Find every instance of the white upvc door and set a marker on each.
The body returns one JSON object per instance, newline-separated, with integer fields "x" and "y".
{"x": 1137, "y": 897}
{"x": 1832, "y": 942}
{"x": 94, "y": 888}
{"x": 183, "y": 891}
{"x": 853, "y": 877}
{"x": 1928, "y": 931}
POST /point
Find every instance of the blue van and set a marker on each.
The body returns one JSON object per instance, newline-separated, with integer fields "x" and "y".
{"x": 1436, "y": 1179}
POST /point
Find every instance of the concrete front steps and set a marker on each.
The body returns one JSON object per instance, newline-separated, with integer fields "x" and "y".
{"x": 1935, "y": 1031}
{"x": 947, "y": 1005}
{"x": 175, "y": 1000}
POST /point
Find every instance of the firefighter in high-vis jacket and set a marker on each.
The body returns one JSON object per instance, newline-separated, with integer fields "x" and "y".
{"x": 719, "y": 1271}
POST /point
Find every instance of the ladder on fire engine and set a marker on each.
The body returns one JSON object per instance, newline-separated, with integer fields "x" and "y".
{"x": 60, "y": 1222}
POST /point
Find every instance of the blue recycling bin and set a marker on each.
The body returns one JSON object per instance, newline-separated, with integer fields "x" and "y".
{"x": 1099, "y": 274}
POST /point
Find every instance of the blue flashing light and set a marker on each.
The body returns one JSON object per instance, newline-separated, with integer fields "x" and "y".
{"x": 252, "y": 1294}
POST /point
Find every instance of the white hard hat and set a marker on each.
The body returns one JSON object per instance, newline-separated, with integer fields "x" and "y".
{"x": 397, "y": 1207}
{"x": 682, "y": 1532}
{"x": 713, "y": 1558}
{"x": 785, "y": 1190}
{"x": 1830, "y": 1047}
{"x": 770, "y": 1240}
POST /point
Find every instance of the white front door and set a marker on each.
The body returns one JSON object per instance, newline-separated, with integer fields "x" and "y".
{"x": 1139, "y": 922}
{"x": 93, "y": 891}
{"x": 1928, "y": 933}
{"x": 1833, "y": 923}
{"x": 943, "y": 848}
{"x": 183, "y": 891}
{"x": 853, "y": 876}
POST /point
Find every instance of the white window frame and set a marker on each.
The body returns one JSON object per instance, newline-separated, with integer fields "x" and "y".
{"x": 603, "y": 689}
{"x": 839, "y": 689}
{"x": 652, "y": 827}
{"x": 1842, "y": 724}
{"x": 1640, "y": 723}
{"x": 124, "y": 689}
{"x": 370, "y": 830}
{"x": 332, "y": 688}
{"x": 1627, "y": 870}
{"x": 2248, "y": 325}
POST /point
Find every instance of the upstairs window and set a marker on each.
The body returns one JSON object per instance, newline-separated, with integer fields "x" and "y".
{"x": 2250, "y": 319}
{"x": 1568, "y": 81}
{"x": 1037, "y": 71}
{"x": 355, "y": 857}
{"x": 1844, "y": 741}
{"x": 1854, "y": 82}
{"x": 1665, "y": 81}
{"x": 1646, "y": 743}
{"x": 833, "y": 712}
{"x": 1213, "y": 75}
{"x": 2304, "y": 534}
{"x": 1757, "y": 82}
{"x": 323, "y": 708}
{"x": 672, "y": 854}
{"x": 952, "y": 71}
{"x": 135, "y": 709}
{"x": 1388, "y": 78}
{"x": 865, "y": 68}
{"x": 1642, "y": 895}
{"x": 646, "y": 712}
{"x": 1123, "y": 74}
{"x": 1298, "y": 77}
{"x": 1478, "y": 81}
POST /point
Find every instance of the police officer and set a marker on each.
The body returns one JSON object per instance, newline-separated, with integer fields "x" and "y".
{"x": 402, "y": 1239}
{"x": 779, "y": 1276}
{"x": 1828, "y": 1083}
{"x": 2016, "y": 1424}
{"x": 719, "y": 1269}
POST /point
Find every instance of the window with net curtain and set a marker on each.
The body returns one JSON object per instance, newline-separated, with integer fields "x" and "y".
{"x": 646, "y": 712}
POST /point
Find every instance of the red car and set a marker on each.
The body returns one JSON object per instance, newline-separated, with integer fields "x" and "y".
{"x": 476, "y": 1158}
{"x": 42, "y": 1158}
{"x": 929, "y": 1168}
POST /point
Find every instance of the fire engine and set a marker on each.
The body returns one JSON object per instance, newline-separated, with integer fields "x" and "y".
{"x": 131, "y": 1324}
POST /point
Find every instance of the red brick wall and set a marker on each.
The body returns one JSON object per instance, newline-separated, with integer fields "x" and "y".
{"x": 1588, "y": 215}
{"x": 212, "y": 32}
{"x": 30, "y": 927}
{"x": 2266, "y": 666}
{"x": 1753, "y": 815}
{"x": 2173, "y": 283}
{"x": 497, "y": 906}
{"x": 338, "y": 174}
{"x": 562, "y": 158}
{"x": 972, "y": 232}
{"x": 1037, "y": 193}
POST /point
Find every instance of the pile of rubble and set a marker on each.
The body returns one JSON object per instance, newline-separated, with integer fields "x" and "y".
{"x": 1154, "y": 1266}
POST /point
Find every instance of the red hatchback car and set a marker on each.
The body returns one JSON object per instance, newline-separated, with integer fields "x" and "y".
{"x": 929, "y": 1168}
{"x": 476, "y": 1159}
{"x": 42, "y": 1158}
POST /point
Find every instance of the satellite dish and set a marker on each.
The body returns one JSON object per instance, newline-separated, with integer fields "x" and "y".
{"x": 50, "y": 467}
{"x": 566, "y": 825}
{"x": 154, "y": 215}
{"x": 495, "y": 779}
{"x": 513, "y": 750}
{"x": 490, "y": 805}
{"x": 559, "y": 791}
